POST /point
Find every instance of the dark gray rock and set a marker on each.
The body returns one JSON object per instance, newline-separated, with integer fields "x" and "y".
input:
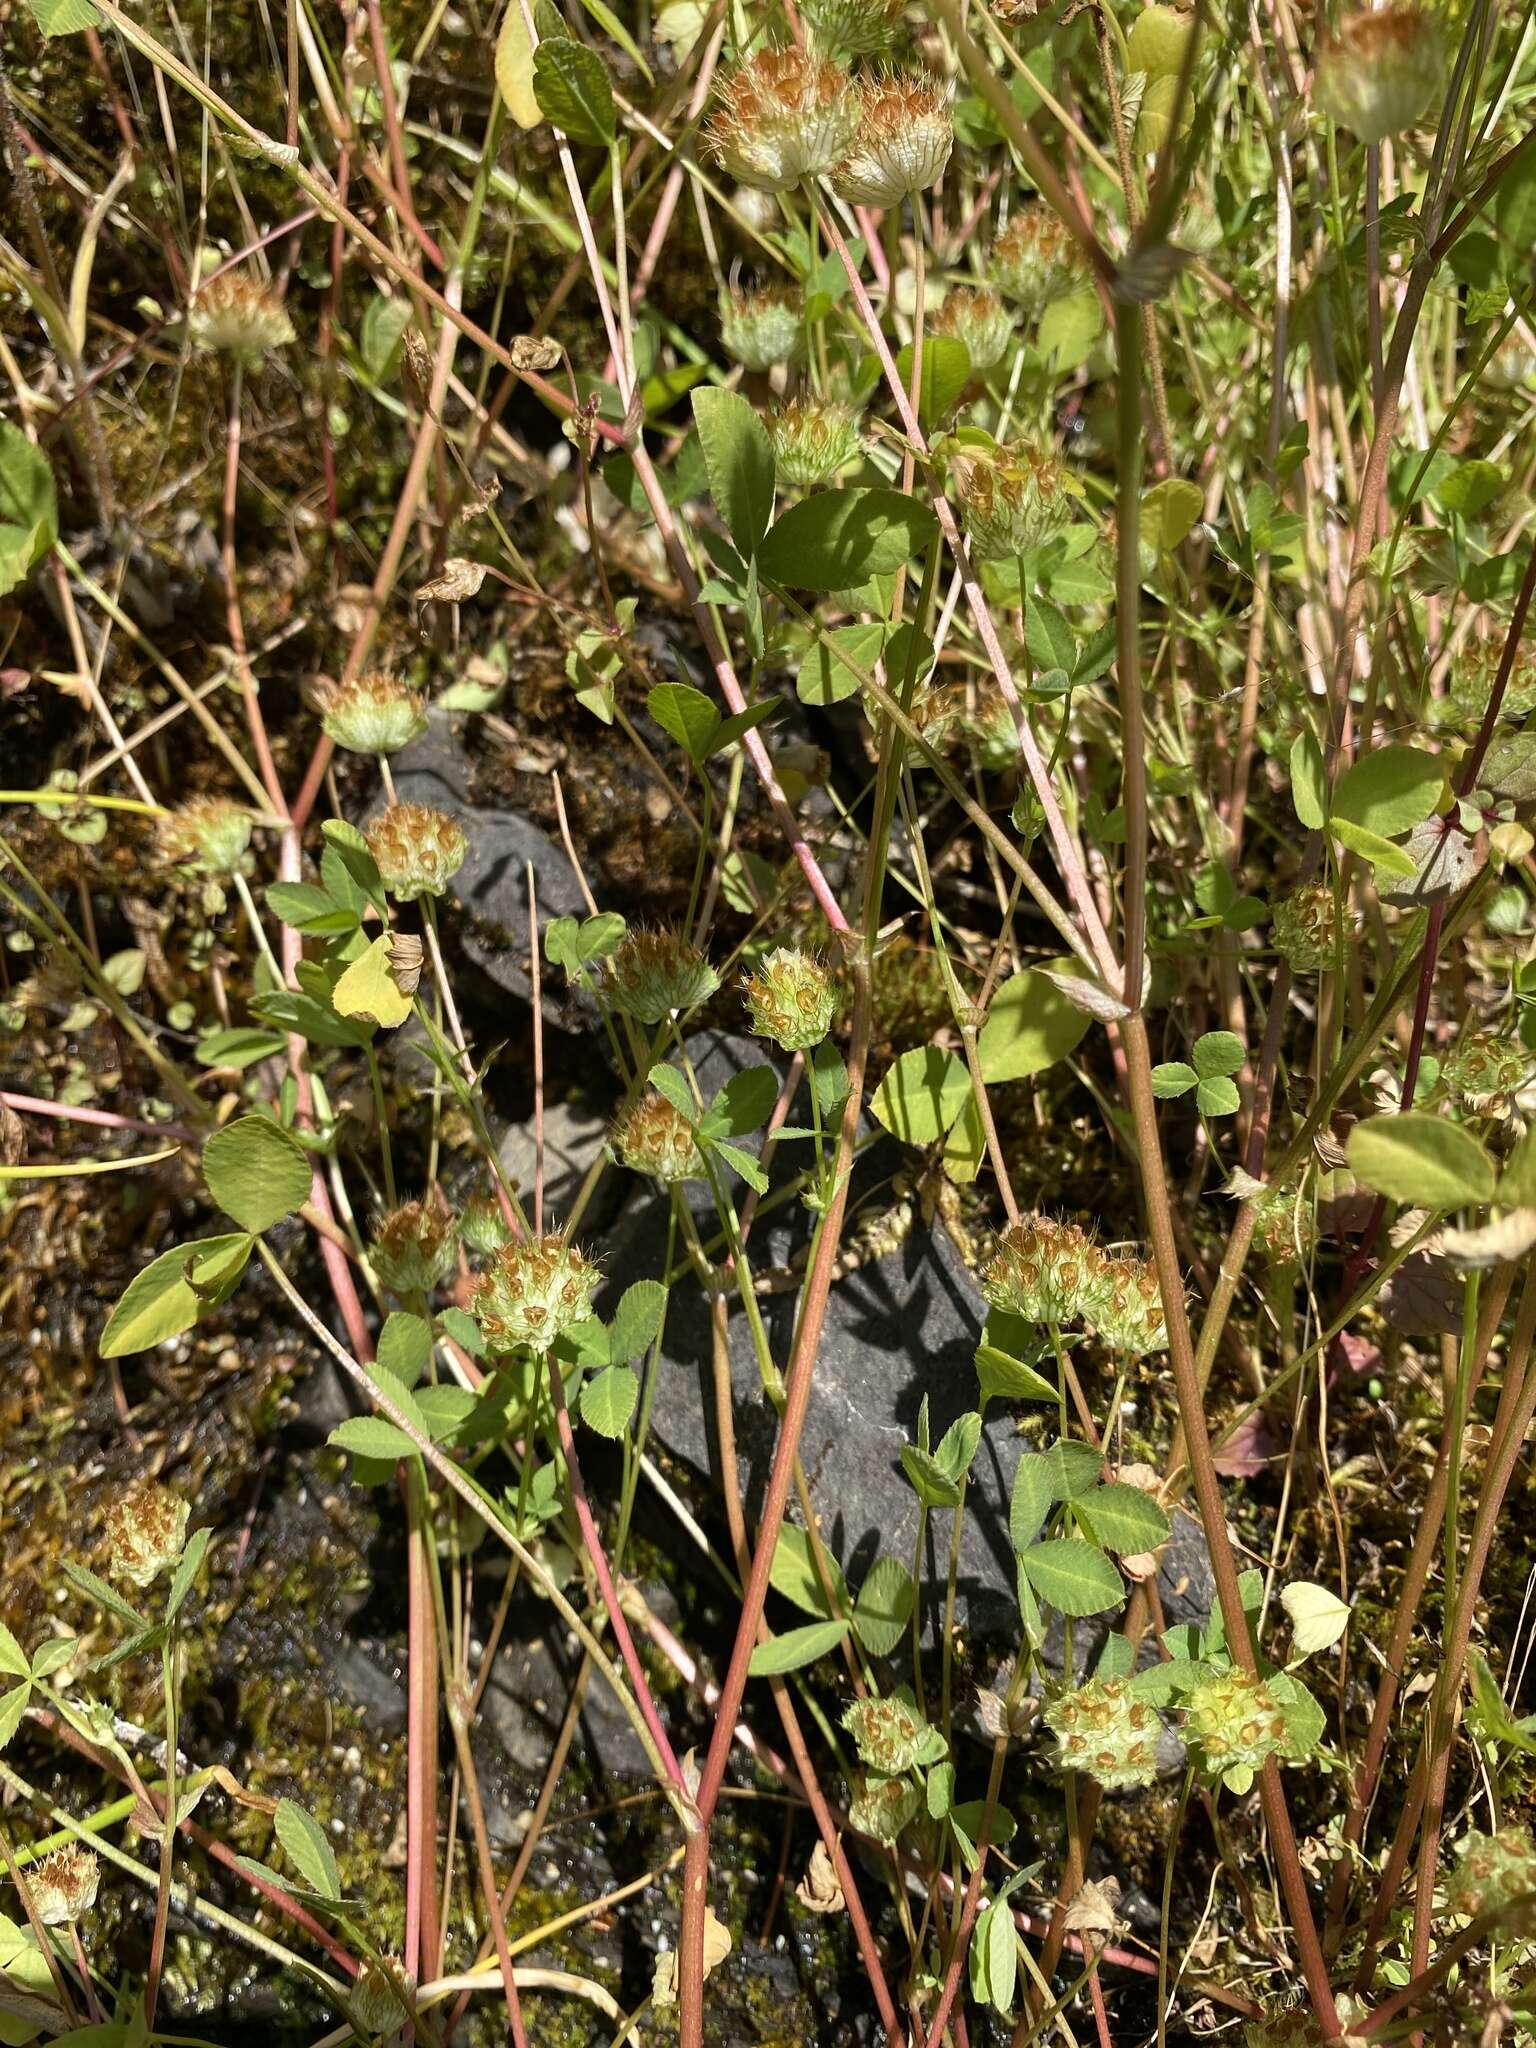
{"x": 491, "y": 889}
{"x": 901, "y": 1328}
{"x": 529, "y": 1694}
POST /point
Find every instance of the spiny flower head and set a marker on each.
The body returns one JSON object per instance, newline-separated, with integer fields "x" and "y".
{"x": 976, "y": 316}
{"x": 1015, "y": 498}
{"x": 532, "y": 1292}
{"x": 1045, "y": 1271}
{"x": 902, "y": 143}
{"x": 1127, "y": 1312}
{"x": 1297, "y": 2026}
{"x": 482, "y": 1224}
{"x": 1104, "y": 1729}
{"x": 653, "y": 975}
{"x": 1285, "y": 1227}
{"x": 413, "y": 1246}
{"x": 146, "y": 1532}
{"x": 1494, "y": 1873}
{"x": 1235, "y": 1723}
{"x": 1474, "y": 670}
{"x": 884, "y": 1807}
{"x": 762, "y": 329}
{"x": 1306, "y": 927}
{"x": 210, "y": 834}
{"x": 783, "y": 116}
{"x": 64, "y": 1886}
{"x": 373, "y": 714}
{"x": 417, "y": 850}
{"x": 657, "y": 1139}
{"x": 1481, "y": 1067}
{"x": 1379, "y": 70}
{"x": 812, "y": 439}
{"x": 1037, "y": 258}
{"x": 892, "y": 1736}
{"x": 790, "y": 998}
{"x": 240, "y": 317}
{"x": 855, "y": 28}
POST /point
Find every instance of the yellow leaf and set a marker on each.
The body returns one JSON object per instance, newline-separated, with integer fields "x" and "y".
{"x": 368, "y": 989}
{"x": 514, "y": 67}
{"x": 1317, "y": 1617}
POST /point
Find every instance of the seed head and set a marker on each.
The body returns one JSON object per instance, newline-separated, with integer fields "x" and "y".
{"x": 902, "y": 143}
{"x": 1494, "y": 1873}
{"x": 1379, "y": 70}
{"x": 791, "y": 999}
{"x": 854, "y": 28}
{"x": 761, "y": 329}
{"x": 210, "y": 835}
{"x": 373, "y": 714}
{"x": 1036, "y": 258}
{"x": 146, "y": 1530}
{"x": 482, "y": 1224}
{"x": 532, "y": 1292}
{"x": 64, "y": 1885}
{"x": 1235, "y": 1723}
{"x": 976, "y": 316}
{"x": 1014, "y": 498}
{"x": 653, "y": 975}
{"x": 1306, "y": 927}
{"x": 1104, "y": 1729}
{"x": 1483, "y": 1068}
{"x": 780, "y": 118}
{"x": 240, "y": 317}
{"x": 417, "y": 850}
{"x": 656, "y": 1139}
{"x": 1128, "y": 1312}
{"x": 812, "y": 439}
{"x": 1045, "y": 1271}
{"x": 413, "y": 1246}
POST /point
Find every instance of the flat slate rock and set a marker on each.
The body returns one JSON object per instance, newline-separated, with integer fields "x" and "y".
{"x": 491, "y": 889}
{"x": 899, "y": 1328}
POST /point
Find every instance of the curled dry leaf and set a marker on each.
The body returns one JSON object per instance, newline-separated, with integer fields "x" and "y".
{"x": 1498, "y": 1243}
{"x": 992, "y": 1704}
{"x": 1091, "y": 1915}
{"x": 13, "y": 1136}
{"x": 1141, "y": 1565}
{"x": 717, "y": 1946}
{"x": 461, "y": 578}
{"x": 405, "y": 961}
{"x": 535, "y": 352}
{"x": 820, "y": 1890}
